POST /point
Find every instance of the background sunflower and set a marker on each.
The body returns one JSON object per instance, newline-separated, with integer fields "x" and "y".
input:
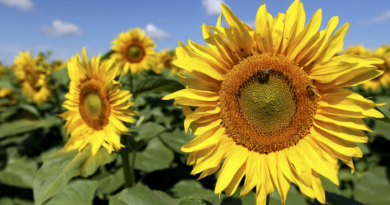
{"x": 133, "y": 51}
{"x": 32, "y": 77}
{"x": 96, "y": 105}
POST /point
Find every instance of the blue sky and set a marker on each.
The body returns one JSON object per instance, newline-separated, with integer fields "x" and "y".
{"x": 64, "y": 27}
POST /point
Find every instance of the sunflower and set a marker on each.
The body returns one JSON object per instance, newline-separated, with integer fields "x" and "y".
{"x": 382, "y": 52}
{"x": 133, "y": 51}
{"x": 356, "y": 50}
{"x": 164, "y": 60}
{"x": 271, "y": 103}
{"x": 32, "y": 77}
{"x": 57, "y": 65}
{"x": 96, "y": 105}
{"x": 9, "y": 95}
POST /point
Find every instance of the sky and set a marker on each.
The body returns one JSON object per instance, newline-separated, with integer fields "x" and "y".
{"x": 64, "y": 27}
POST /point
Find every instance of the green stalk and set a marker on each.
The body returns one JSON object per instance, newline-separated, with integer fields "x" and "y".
{"x": 58, "y": 103}
{"x": 134, "y": 150}
{"x": 126, "y": 162}
{"x": 267, "y": 202}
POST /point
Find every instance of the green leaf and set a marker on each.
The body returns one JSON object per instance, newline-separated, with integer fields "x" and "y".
{"x": 61, "y": 77}
{"x": 107, "y": 55}
{"x": 111, "y": 182}
{"x": 148, "y": 131}
{"x": 386, "y": 118}
{"x": 333, "y": 188}
{"x": 293, "y": 197}
{"x": 142, "y": 195}
{"x": 176, "y": 139}
{"x": 6, "y": 82}
{"x": 335, "y": 199}
{"x": 15, "y": 201}
{"x": 155, "y": 157}
{"x": 373, "y": 188}
{"x": 157, "y": 84}
{"x": 382, "y": 129}
{"x": 19, "y": 173}
{"x": 193, "y": 201}
{"x": 92, "y": 163}
{"x": 79, "y": 192}
{"x": 59, "y": 167}
{"x": 24, "y": 125}
{"x": 193, "y": 188}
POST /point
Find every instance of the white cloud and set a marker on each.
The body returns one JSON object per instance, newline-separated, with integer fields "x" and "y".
{"x": 59, "y": 28}
{"x": 383, "y": 17}
{"x": 376, "y": 19}
{"x": 21, "y": 4}
{"x": 152, "y": 31}
{"x": 213, "y": 7}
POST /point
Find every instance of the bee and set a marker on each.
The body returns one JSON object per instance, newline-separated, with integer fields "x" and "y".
{"x": 311, "y": 91}
{"x": 264, "y": 75}
{"x": 265, "y": 71}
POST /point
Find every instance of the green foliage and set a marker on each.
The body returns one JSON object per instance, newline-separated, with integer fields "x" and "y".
{"x": 373, "y": 188}
{"x": 141, "y": 195}
{"x": 19, "y": 171}
{"x": 24, "y": 125}
{"x": 77, "y": 192}
{"x": 155, "y": 157}
{"x": 157, "y": 84}
{"x": 59, "y": 167}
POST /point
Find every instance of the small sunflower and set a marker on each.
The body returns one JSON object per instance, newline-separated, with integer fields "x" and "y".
{"x": 32, "y": 77}
{"x": 133, "y": 51}
{"x": 96, "y": 105}
{"x": 271, "y": 103}
{"x": 356, "y": 50}
{"x": 164, "y": 60}
{"x": 8, "y": 94}
{"x": 382, "y": 52}
{"x": 57, "y": 65}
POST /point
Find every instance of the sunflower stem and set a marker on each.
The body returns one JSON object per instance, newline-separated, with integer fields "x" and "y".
{"x": 58, "y": 103}
{"x": 267, "y": 202}
{"x": 126, "y": 162}
{"x": 134, "y": 149}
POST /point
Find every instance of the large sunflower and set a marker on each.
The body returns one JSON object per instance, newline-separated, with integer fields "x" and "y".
{"x": 96, "y": 105}
{"x": 164, "y": 60}
{"x": 133, "y": 51}
{"x": 32, "y": 77}
{"x": 271, "y": 103}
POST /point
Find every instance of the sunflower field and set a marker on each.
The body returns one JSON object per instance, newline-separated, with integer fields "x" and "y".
{"x": 276, "y": 114}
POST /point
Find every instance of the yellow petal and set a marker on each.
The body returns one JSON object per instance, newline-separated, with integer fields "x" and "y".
{"x": 342, "y": 146}
{"x": 263, "y": 29}
{"x": 317, "y": 187}
{"x": 240, "y": 33}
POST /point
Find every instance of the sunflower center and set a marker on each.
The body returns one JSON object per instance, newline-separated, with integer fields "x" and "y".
{"x": 168, "y": 62}
{"x": 93, "y": 105}
{"x": 267, "y": 101}
{"x": 266, "y": 105}
{"x": 32, "y": 78}
{"x": 135, "y": 53}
